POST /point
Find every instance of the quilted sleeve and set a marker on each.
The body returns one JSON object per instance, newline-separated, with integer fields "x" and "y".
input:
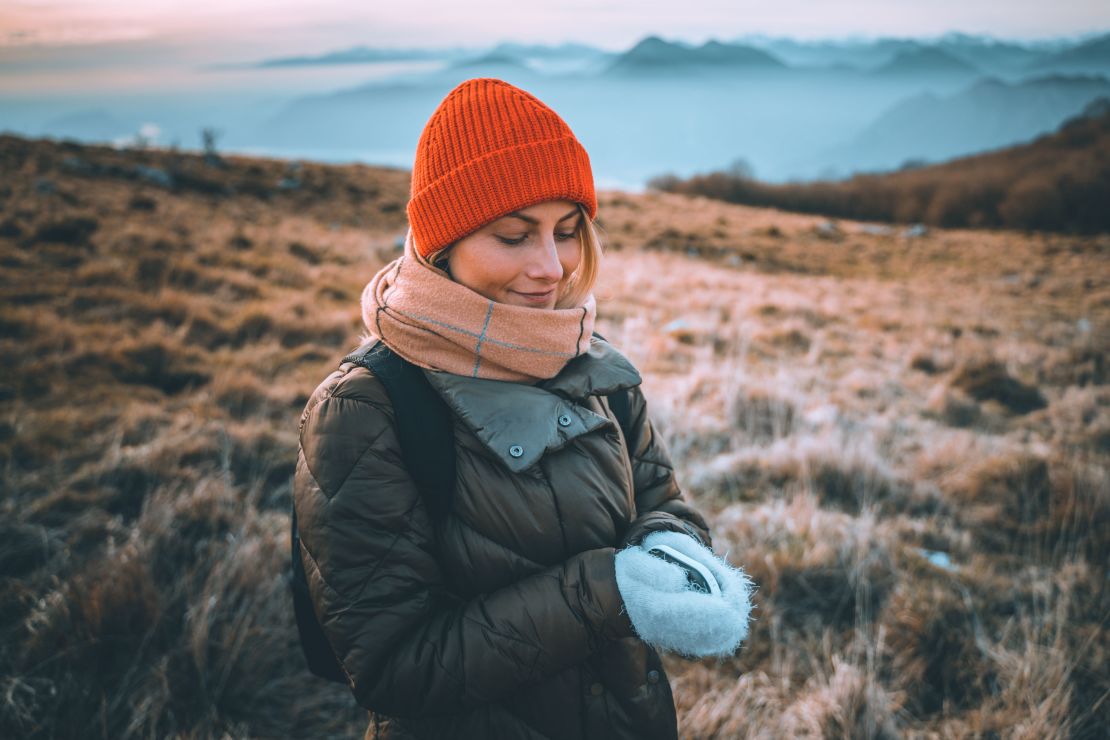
{"x": 409, "y": 646}
{"x": 659, "y": 500}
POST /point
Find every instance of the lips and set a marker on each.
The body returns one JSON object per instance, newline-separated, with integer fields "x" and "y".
{"x": 536, "y": 297}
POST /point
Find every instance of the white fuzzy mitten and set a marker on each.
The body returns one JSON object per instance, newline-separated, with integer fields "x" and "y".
{"x": 668, "y": 613}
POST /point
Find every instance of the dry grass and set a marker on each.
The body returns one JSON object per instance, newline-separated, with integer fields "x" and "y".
{"x": 904, "y": 440}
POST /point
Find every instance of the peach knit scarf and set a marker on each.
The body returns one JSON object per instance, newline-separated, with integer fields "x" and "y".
{"x": 420, "y": 313}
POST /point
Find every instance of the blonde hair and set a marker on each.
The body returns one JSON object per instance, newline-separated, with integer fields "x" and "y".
{"x": 581, "y": 281}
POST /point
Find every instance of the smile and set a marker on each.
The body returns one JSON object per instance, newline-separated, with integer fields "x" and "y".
{"x": 536, "y": 297}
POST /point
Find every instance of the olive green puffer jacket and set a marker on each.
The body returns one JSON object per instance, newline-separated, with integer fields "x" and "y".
{"x": 509, "y": 623}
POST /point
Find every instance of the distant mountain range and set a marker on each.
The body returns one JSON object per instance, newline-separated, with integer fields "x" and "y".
{"x": 790, "y": 109}
{"x": 539, "y": 50}
{"x": 1093, "y": 55}
{"x": 358, "y": 55}
{"x": 987, "y": 115}
{"x": 988, "y": 54}
{"x": 952, "y": 54}
{"x": 653, "y": 55}
{"x": 501, "y": 60}
{"x": 924, "y": 60}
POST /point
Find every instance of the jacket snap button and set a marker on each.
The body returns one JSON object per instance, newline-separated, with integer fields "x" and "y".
{"x": 516, "y": 450}
{"x": 564, "y": 421}
{"x": 653, "y": 676}
{"x": 596, "y": 689}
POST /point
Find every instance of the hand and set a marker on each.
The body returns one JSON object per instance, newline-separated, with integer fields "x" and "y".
{"x": 667, "y": 612}
{"x": 653, "y": 521}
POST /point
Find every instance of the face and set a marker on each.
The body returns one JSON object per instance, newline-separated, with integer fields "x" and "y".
{"x": 524, "y": 258}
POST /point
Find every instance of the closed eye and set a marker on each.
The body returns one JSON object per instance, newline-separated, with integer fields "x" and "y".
{"x": 520, "y": 239}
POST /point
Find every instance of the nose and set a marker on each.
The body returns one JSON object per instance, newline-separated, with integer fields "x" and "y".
{"x": 545, "y": 265}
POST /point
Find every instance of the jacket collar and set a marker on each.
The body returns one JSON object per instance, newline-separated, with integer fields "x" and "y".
{"x": 520, "y": 422}
{"x": 600, "y": 371}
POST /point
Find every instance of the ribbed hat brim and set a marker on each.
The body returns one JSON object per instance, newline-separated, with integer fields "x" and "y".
{"x": 473, "y": 194}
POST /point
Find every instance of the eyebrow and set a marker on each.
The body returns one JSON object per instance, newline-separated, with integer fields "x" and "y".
{"x": 529, "y": 219}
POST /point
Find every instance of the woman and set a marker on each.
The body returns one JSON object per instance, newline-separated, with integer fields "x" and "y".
{"x": 527, "y": 612}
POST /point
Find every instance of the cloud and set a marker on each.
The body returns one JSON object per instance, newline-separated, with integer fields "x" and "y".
{"x": 72, "y": 35}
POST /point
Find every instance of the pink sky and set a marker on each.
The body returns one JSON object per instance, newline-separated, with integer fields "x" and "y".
{"x": 250, "y": 27}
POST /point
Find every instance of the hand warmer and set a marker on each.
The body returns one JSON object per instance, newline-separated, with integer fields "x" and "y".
{"x": 668, "y": 613}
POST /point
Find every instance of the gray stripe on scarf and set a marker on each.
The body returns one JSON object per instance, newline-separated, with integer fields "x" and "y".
{"x": 478, "y": 347}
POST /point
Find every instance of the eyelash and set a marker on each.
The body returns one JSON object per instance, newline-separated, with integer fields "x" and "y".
{"x": 513, "y": 242}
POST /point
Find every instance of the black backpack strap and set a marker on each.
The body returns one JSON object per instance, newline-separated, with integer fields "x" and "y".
{"x": 424, "y": 428}
{"x": 424, "y": 424}
{"x": 315, "y": 646}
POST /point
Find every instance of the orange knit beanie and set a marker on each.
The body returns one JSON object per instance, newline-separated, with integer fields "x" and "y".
{"x": 489, "y": 149}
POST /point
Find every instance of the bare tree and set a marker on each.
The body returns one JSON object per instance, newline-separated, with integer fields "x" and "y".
{"x": 208, "y": 136}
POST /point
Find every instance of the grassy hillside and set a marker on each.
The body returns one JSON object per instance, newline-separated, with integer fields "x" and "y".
{"x": 902, "y": 436}
{"x": 1059, "y": 182}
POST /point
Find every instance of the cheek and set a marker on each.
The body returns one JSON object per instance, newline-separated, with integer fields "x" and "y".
{"x": 500, "y": 269}
{"x": 482, "y": 268}
{"x": 570, "y": 256}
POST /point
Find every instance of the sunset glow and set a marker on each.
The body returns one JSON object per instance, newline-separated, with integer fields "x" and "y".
{"x": 286, "y": 24}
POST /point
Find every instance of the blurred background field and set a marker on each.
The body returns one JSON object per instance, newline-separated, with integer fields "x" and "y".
{"x": 902, "y": 432}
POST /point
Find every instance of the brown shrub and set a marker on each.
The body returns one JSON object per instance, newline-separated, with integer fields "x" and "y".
{"x": 848, "y": 703}
{"x": 208, "y": 332}
{"x": 141, "y": 202}
{"x": 158, "y": 365}
{"x": 263, "y": 461}
{"x": 931, "y": 647}
{"x": 295, "y": 334}
{"x": 762, "y": 416}
{"x": 23, "y": 548}
{"x": 123, "y": 488}
{"x": 1035, "y": 507}
{"x": 240, "y": 242}
{"x": 186, "y": 629}
{"x": 1081, "y": 364}
{"x": 150, "y": 272}
{"x": 1078, "y": 519}
{"x": 843, "y": 472}
{"x": 10, "y": 229}
{"x": 813, "y": 568}
{"x": 241, "y": 394}
{"x": 1033, "y": 202}
{"x": 253, "y": 326}
{"x": 303, "y": 252}
{"x": 925, "y": 363}
{"x": 712, "y": 705}
{"x": 97, "y": 273}
{"x": 97, "y": 620}
{"x": 19, "y": 323}
{"x": 1004, "y": 498}
{"x": 74, "y": 230}
{"x": 988, "y": 379}
{"x": 792, "y": 339}
{"x": 952, "y": 406}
